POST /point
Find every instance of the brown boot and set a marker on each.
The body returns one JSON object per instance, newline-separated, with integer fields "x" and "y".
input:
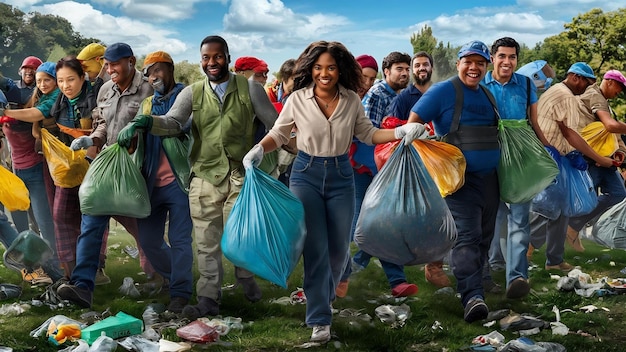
{"x": 433, "y": 272}
{"x": 573, "y": 239}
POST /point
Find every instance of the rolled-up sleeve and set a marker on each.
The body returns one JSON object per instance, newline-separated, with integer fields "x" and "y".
{"x": 172, "y": 123}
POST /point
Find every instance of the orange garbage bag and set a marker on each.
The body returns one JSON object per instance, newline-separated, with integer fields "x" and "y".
{"x": 13, "y": 191}
{"x": 67, "y": 167}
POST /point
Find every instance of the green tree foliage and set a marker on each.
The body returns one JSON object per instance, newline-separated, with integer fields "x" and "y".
{"x": 424, "y": 40}
{"x": 444, "y": 56}
{"x": 187, "y": 73}
{"x": 23, "y": 35}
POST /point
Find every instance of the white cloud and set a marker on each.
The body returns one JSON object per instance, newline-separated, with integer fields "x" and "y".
{"x": 155, "y": 10}
{"x": 143, "y": 37}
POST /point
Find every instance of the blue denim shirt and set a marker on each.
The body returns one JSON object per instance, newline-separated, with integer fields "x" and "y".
{"x": 511, "y": 97}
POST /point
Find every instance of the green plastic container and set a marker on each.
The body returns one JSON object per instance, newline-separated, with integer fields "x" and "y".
{"x": 115, "y": 327}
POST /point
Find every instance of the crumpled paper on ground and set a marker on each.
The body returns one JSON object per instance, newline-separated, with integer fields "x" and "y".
{"x": 395, "y": 316}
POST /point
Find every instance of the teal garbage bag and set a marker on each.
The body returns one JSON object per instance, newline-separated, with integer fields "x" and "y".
{"x": 403, "y": 219}
{"x": 265, "y": 230}
{"x": 114, "y": 185}
{"x": 525, "y": 167}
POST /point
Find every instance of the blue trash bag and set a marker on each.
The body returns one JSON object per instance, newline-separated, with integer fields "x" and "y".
{"x": 583, "y": 197}
{"x": 550, "y": 202}
{"x": 114, "y": 185}
{"x": 404, "y": 220}
{"x": 265, "y": 230}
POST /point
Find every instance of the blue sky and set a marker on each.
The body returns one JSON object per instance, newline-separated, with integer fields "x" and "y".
{"x": 276, "y": 30}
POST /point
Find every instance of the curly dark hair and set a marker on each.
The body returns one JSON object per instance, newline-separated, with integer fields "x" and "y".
{"x": 349, "y": 68}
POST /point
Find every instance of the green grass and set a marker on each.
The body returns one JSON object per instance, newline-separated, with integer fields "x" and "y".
{"x": 274, "y": 327}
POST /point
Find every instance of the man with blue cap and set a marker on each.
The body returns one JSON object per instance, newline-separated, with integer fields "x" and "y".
{"x": 469, "y": 121}
{"x": 558, "y": 117}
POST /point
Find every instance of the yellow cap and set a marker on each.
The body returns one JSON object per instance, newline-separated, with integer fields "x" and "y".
{"x": 91, "y": 51}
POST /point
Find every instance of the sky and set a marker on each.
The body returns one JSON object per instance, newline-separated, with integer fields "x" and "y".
{"x": 276, "y": 30}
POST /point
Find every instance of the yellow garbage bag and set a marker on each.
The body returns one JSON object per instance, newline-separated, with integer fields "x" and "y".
{"x": 444, "y": 162}
{"x": 13, "y": 191}
{"x": 600, "y": 140}
{"x": 67, "y": 167}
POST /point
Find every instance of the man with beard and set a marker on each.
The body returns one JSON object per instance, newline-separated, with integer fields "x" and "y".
{"x": 376, "y": 103}
{"x": 400, "y": 107}
{"x": 222, "y": 109}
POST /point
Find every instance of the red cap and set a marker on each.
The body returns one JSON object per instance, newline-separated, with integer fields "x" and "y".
{"x": 31, "y": 61}
{"x": 246, "y": 63}
{"x": 367, "y": 61}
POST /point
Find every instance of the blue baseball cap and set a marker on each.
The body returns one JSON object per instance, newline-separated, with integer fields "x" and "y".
{"x": 118, "y": 51}
{"x": 475, "y": 47}
{"x": 49, "y": 68}
{"x": 582, "y": 69}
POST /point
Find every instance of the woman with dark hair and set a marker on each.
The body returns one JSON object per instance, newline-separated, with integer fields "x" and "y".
{"x": 327, "y": 112}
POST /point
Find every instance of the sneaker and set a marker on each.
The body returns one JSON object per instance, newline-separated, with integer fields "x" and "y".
{"x": 342, "y": 289}
{"x": 564, "y": 267}
{"x": 36, "y": 277}
{"x": 177, "y": 304}
{"x": 321, "y": 334}
{"x": 475, "y": 309}
{"x": 433, "y": 272}
{"x": 404, "y": 289}
{"x": 491, "y": 287}
{"x": 518, "y": 288}
{"x": 573, "y": 239}
{"x": 251, "y": 289}
{"x": 101, "y": 278}
{"x": 81, "y": 296}
{"x": 206, "y": 306}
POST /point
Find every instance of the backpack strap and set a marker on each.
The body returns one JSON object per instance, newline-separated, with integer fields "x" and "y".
{"x": 458, "y": 103}
{"x": 527, "y": 98}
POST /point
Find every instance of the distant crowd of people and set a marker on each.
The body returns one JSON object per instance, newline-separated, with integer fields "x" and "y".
{"x": 314, "y": 128}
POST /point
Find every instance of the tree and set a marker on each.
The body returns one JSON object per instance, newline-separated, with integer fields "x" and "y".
{"x": 187, "y": 73}
{"x": 424, "y": 40}
{"x": 444, "y": 57}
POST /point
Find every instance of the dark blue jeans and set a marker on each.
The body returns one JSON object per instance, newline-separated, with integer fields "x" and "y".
{"x": 612, "y": 191}
{"x": 474, "y": 208}
{"x": 325, "y": 186}
{"x": 174, "y": 261}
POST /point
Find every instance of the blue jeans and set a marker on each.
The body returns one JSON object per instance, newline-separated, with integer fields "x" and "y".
{"x": 611, "y": 185}
{"x": 33, "y": 178}
{"x": 394, "y": 272}
{"x": 7, "y": 232}
{"x": 517, "y": 241}
{"x": 474, "y": 208}
{"x": 550, "y": 232}
{"x": 325, "y": 186}
{"x": 173, "y": 262}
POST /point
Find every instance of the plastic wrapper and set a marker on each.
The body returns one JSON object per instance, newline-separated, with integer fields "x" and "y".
{"x": 265, "y": 231}
{"x": 197, "y": 331}
{"x": 51, "y": 325}
{"x": 599, "y": 139}
{"x": 114, "y": 186}
{"x": 13, "y": 191}
{"x": 525, "y": 168}
{"x": 583, "y": 197}
{"x": 404, "y": 220}
{"x": 610, "y": 229}
{"x": 104, "y": 344}
{"x": 67, "y": 167}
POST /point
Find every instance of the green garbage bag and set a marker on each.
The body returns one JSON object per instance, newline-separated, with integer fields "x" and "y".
{"x": 525, "y": 168}
{"x": 114, "y": 185}
{"x": 177, "y": 151}
{"x": 27, "y": 250}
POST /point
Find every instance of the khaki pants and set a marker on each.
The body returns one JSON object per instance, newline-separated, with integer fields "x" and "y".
{"x": 210, "y": 206}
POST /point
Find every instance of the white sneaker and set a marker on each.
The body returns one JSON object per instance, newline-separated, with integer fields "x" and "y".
{"x": 321, "y": 334}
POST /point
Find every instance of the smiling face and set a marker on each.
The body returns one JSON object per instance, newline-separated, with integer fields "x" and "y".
{"x": 422, "y": 70}
{"x": 325, "y": 73}
{"x": 69, "y": 82}
{"x": 472, "y": 69}
{"x": 161, "y": 77}
{"x": 121, "y": 71}
{"x": 28, "y": 75}
{"x": 214, "y": 62}
{"x": 45, "y": 82}
{"x": 504, "y": 63}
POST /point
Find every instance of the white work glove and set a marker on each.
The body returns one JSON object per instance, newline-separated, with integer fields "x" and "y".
{"x": 253, "y": 157}
{"x": 82, "y": 142}
{"x": 410, "y": 131}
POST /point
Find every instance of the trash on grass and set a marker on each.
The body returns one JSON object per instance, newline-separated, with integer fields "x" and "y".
{"x": 395, "y": 316}
{"x": 50, "y": 325}
{"x": 120, "y": 325}
{"x": 197, "y": 331}
{"x": 128, "y": 288}
{"x": 493, "y": 338}
{"x": 14, "y": 309}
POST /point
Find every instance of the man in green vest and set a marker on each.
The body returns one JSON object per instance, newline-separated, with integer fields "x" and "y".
{"x": 221, "y": 110}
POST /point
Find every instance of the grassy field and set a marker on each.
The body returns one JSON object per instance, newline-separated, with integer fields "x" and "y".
{"x": 274, "y": 327}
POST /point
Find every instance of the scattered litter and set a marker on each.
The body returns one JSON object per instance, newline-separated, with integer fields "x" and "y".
{"x": 395, "y": 316}
{"x": 133, "y": 252}
{"x": 82, "y": 346}
{"x": 139, "y": 343}
{"x": 128, "y": 288}
{"x": 498, "y": 314}
{"x": 493, "y": 338}
{"x": 14, "y": 309}
{"x": 197, "y": 331}
{"x": 169, "y": 346}
{"x": 489, "y": 324}
{"x": 223, "y": 326}
{"x": 559, "y": 328}
{"x": 529, "y": 332}
{"x": 436, "y": 325}
{"x": 589, "y": 308}
{"x": 522, "y": 322}
{"x": 298, "y": 296}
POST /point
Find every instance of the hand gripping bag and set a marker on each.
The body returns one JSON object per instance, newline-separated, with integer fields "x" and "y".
{"x": 525, "y": 168}
{"x": 114, "y": 186}
{"x": 265, "y": 230}
{"x": 404, "y": 219}
{"x": 67, "y": 167}
{"x": 583, "y": 197}
{"x": 13, "y": 191}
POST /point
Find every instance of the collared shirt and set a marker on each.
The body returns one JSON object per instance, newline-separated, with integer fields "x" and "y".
{"x": 317, "y": 135}
{"x": 376, "y": 102}
{"x": 511, "y": 97}
{"x": 589, "y": 103}
{"x": 401, "y": 105}
{"x": 558, "y": 104}
{"x": 116, "y": 109}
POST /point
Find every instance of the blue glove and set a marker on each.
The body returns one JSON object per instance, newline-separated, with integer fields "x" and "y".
{"x": 128, "y": 132}
{"x": 554, "y": 154}
{"x": 82, "y": 142}
{"x": 577, "y": 161}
